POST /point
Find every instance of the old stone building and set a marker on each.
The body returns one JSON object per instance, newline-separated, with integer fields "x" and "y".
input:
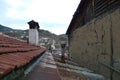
{"x": 93, "y": 36}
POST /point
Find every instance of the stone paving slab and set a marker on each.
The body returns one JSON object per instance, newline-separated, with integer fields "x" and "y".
{"x": 45, "y": 70}
{"x": 71, "y": 71}
{"x": 49, "y": 68}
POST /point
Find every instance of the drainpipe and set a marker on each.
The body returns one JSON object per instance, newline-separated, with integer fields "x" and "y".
{"x": 111, "y": 48}
{"x": 69, "y": 41}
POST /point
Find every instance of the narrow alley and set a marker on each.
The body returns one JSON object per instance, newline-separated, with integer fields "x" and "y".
{"x": 50, "y": 67}
{"x": 75, "y": 40}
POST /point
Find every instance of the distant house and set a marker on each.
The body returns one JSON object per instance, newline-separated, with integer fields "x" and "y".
{"x": 44, "y": 41}
{"x": 94, "y": 36}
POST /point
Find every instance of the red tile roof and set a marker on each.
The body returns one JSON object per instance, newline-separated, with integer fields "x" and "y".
{"x": 15, "y": 53}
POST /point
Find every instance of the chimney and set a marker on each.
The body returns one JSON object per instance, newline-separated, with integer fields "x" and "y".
{"x": 33, "y": 33}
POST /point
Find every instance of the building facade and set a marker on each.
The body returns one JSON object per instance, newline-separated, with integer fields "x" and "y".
{"x": 93, "y": 36}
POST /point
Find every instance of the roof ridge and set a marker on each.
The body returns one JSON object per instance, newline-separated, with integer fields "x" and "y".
{"x": 11, "y": 37}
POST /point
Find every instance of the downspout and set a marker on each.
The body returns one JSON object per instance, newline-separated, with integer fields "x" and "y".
{"x": 69, "y": 55}
{"x": 111, "y": 48}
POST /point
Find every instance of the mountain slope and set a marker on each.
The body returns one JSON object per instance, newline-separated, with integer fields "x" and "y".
{"x": 23, "y": 34}
{"x": 4, "y": 28}
{"x": 63, "y": 37}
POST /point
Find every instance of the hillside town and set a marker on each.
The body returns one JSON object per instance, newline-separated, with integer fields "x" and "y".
{"x": 89, "y": 49}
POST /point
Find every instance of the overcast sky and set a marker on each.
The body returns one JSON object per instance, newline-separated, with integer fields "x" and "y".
{"x": 52, "y": 15}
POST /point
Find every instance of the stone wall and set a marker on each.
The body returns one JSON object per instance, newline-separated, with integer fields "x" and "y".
{"x": 93, "y": 44}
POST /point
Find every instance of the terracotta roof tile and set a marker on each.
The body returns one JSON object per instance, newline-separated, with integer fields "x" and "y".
{"x": 15, "y": 53}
